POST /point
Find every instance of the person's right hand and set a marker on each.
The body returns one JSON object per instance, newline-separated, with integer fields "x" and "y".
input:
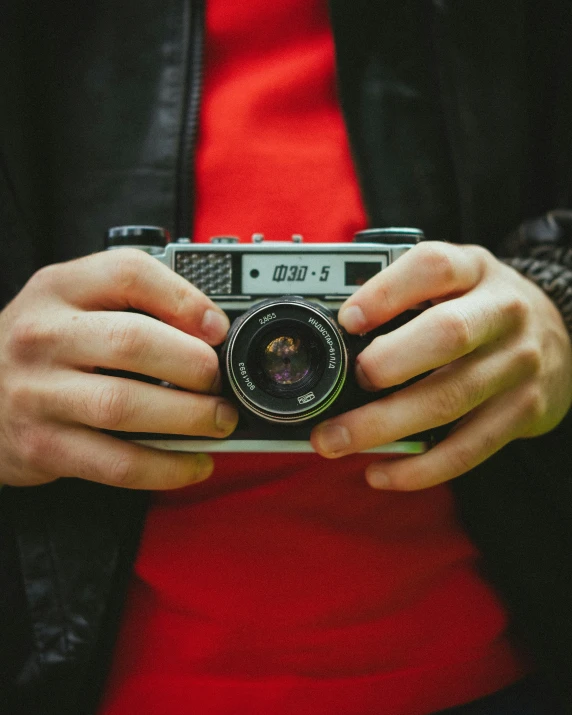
{"x": 68, "y": 321}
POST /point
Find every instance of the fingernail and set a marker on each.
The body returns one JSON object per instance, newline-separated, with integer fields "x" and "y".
{"x": 215, "y": 326}
{"x": 203, "y": 467}
{"x": 377, "y": 478}
{"x": 333, "y": 438}
{"x": 352, "y": 319}
{"x": 226, "y": 417}
{"x": 362, "y": 380}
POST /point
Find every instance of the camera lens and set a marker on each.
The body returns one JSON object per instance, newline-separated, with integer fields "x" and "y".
{"x": 286, "y": 359}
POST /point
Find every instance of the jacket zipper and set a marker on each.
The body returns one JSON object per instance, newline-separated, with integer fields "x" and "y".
{"x": 194, "y": 35}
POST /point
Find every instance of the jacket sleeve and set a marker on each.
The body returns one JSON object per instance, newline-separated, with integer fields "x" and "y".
{"x": 541, "y": 249}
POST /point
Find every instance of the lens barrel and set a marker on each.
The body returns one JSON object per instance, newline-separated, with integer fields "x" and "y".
{"x": 286, "y": 359}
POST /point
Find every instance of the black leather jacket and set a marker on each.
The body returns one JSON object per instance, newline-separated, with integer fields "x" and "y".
{"x": 460, "y": 120}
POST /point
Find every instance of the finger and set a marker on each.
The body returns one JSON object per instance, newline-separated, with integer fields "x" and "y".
{"x": 436, "y": 337}
{"x": 430, "y": 271}
{"x": 137, "y": 343}
{"x": 116, "y": 403}
{"x": 487, "y": 430}
{"x": 81, "y": 452}
{"x": 128, "y": 278}
{"x": 438, "y": 399}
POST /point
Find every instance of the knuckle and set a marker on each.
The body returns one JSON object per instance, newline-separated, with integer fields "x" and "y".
{"x": 181, "y": 301}
{"x": 455, "y": 330}
{"x": 377, "y": 427}
{"x": 461, "y": 459}
{"x": 36, "y": 446}
{"x": 204, "y": 415}
{"x": 27, "y": 339}
{"x": 110, "y": 406}
{"x": 438, "y": 260}
{"x": 529, "y": 358}
{"x": 70, "y": 402}
{"x": 444, "y": 402}
{"x": 516, "y": 309}
{"x": 46, "y": 277}
{"x": 127, "y": 340}
{"x": 122, "y": 471}
{"x": 19, "y": 397}
{"x": 374, "y": 367}
{"x": 205, "y": 366}
{"x": 384, "y": 297}
{"x": 127, "y": 265}
{"x": 534, "y": 403}
{"x": 479, "y": 254}
{"x": 477, "y": 391}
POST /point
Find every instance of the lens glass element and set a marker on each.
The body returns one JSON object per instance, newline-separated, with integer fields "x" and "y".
{"x": 286, "y": 360}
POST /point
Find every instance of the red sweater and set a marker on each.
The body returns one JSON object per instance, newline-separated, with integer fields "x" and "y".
{"x": 284, "y": 583}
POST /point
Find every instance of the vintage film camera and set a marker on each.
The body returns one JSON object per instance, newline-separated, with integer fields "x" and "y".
{"x": 286, "y": 362}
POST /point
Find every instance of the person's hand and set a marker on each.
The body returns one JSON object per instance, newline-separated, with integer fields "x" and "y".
{"x": 68, "y": 321}
{"x": 498, "y": 348}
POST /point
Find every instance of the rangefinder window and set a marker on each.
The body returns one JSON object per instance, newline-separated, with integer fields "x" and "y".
{"x": 358, "y": 273}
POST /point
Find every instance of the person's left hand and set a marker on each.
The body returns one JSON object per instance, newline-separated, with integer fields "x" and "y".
{"x": 500, "y": 356}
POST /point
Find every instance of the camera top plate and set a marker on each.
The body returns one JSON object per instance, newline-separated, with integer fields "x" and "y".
{"x": 236, "y": 273}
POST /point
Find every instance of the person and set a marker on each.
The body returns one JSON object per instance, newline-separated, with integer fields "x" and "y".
{"x": 447, "y": 133}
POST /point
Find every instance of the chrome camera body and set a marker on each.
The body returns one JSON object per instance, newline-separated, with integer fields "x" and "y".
{"x": 286, "y": 362}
